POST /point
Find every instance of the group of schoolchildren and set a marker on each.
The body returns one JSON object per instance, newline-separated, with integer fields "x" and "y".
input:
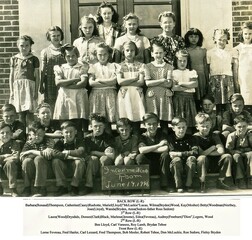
{"x": 190, "y": 100}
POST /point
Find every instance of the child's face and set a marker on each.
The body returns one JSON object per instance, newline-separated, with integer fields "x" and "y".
{"x": 182, "y": 63}
{"x": 247, "y": 35}
{"x": 180, "y": 129}
{"x": 5, "y": 134}
{"x": 9, "y": 117}
{"x": 157, "y": 53}
{"x": 31, "y": 136}
{"x": 167, "y": 24}
{"x": 106, "y": 14}
{"x": 241, "y": 128}
{"x": 98, "y": 128}
{"x": 151, "y": 125}
{"x": 131, "y": 25}
{"x": 24, "y": 47}
{"x": 237, "y": 106}
{"x": 69, "y": 134}
{"x": 124, "y": 132}
{"x": 204, "y": 128}
{"x": 44, "y": 114}
{"x": 39, "y": 135}
{"x": 220, "y": 40}
{"x": 71, "y": 58}
{"x": 193, "y": 40}
{"x": 87, "y": 28}
{"x": 55, "y": 37}
{"x": 129, "y": 52}
{"x": 102, "y": 55}
{"x": 208, "y": 106}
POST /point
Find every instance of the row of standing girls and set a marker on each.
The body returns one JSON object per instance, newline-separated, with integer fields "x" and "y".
{"x": 131, "y": 50}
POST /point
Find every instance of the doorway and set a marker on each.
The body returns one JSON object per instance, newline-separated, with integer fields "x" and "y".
{"x": 147, "y": 11}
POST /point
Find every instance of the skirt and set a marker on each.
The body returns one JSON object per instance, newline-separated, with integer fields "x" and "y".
{"x": 184, "y": 106}
{"x": 103, "y": 101}
{"x": 23, "y": 92}
{"x": 131, "y": 103}
{"x": 71, "y": 104}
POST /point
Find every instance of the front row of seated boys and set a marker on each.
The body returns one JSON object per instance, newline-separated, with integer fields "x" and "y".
{"x": 178, "y": 158}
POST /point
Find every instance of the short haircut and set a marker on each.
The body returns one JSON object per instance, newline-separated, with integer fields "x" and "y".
{"x": 129, "y": 17}
{"x": 222, "y": 32}
{"x": 35, "y": 125}
{"x": 240, "y": 118}
{"x": 69, "y": 48}
{"x": 194, "y": 31}
{"x": 236, "y": 97}
{"x": 25, "y": 38}
{"x": 97, "y": 117}
{"x": 3, "y": 125}
{"x": 207, "y": 97}
{"x": 130, "y": 43}
{"x": 167, "y": 14}
{"x": 245, "y": 25}
{"x": 176, "y": 120}
{"x": 115, "y": 16}
{"x": 201, "y": 118}
{"x": 52, "y": 29}
{"x": 43, "y": 105}
{"x": 182, "y": 53}
{"x": 157, "y": 43}
{"x": 104, "y": 46}
{"x": 67, "y": 124}
{"x": 150, "y": 115}
{"x": 123, "y": 122}
{"x": 8, "y": 107}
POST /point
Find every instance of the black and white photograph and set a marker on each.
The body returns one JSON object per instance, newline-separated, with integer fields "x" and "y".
{"x": 125, "y": 118}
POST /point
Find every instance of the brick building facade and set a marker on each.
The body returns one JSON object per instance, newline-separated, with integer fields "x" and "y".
{"x": 9, "y": 31}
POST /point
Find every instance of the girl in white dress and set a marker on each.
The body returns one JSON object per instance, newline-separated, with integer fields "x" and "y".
{"x": 131, "y": 80}
{"x": 244, "y": 50}
{"x": 72, "y": 101}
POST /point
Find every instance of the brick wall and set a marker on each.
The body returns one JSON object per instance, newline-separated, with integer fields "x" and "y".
{"x": 242, "y": 12}
{"x": 9, "y": 31}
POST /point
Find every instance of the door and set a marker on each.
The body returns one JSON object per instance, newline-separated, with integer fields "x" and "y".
{"x": 147, "y": 11}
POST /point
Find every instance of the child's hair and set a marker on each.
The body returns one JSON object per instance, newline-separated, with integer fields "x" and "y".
{"x": 43, "y": 105}
{"x": 157, "y": 43}
{"x": 26, "y": 38}
{"x": 129, "y": 17}
{"x": 236, "y": 97}
{"x": 201, "y": 118}
{"x": 130, "y": 43}
{"x": 182, "y": 53}
{"x": 88, "y": 19}
{"x": 52, "y": 29}
{"x": 104, "y": 46}
{"x": 194, "y": 31}
{"x": 97, "y": 117}
{"x": 34, "y": 126}
{"x": 245, "y": 25}
{"x": 3, "y": 125}
{"x": 151, "y": 115}
{"x": 222, "y": 32}
{"x": 167, "y": 14}
{"x": 240, "y": 118}
{"x": 176, "y": 120}
{"x": 8, "y": 108}
{"x": 115, "y": 16}
{"x": 123, "y": 122}
{"x": 207, "y": 97}
{"x": 69, "y": 48}
{"x": 67, "y": 124}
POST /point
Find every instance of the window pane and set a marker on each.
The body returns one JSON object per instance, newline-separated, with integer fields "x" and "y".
{"x": 86, "y": 10}
{"x": 97, "y": 1}
{"x": 151, "y": 32}
{"x": 148, "y": 14}
{"x": 166, "y": 1}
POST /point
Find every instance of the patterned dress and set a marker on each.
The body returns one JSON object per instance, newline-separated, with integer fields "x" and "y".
{"x": 50, "y": 57}
{"x": 24, "y": 82}
{"x": 159, "y": 98}
{"x": 172, "y": 45}
{"x": 103, "y": 100}
{"x": 131, "y": 102}
{"x": 71, "y": 103}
